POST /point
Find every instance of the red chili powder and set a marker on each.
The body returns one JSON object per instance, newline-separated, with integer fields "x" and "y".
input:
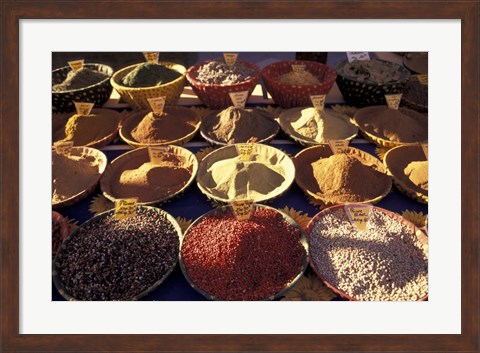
{"x": 250, "y": 259}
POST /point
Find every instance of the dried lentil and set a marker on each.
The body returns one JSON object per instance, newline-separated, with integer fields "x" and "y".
{"x": 384, "y": 263}
{"x": 219, "y": 73}
{"x": 117, "y": 260}
{"x": 243, "y": 260}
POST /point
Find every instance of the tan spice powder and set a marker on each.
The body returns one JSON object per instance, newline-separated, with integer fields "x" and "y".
{"x": 417, "y": 172}
{"x": 298, "y": 78}
{"x": 85, "y": 129}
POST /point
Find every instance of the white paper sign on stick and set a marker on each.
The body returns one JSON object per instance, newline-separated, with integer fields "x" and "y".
{"x": 157, "y": 153}
{"x": 242, "y": 208}
{"x": 338, "y": 146}
{"x": 151, "y": 56}
{"x": 318, "y": 101}
{"x": 157, "y": 104}
{"x": 357, "y": 55}
{"x": 425, "y": 149}
{"x": 393, "y": 100}
{"x": 63, "y": 147}
{"x": 125, "y": 208}
{"x": 245, "y": 151}
{"x": 230, "y": 58}
{"x": 359, "y": 215}
{"x": 76, "y": 64}
{"x": 239, "y": 99}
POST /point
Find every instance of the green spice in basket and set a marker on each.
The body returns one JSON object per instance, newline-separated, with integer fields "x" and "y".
{"x": 79, "y": 79}
{"x": 149, "y": 75}
{"x": 372, "y": 71}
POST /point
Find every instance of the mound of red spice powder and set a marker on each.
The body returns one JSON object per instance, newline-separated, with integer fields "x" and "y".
{"x": 252, "y": 259}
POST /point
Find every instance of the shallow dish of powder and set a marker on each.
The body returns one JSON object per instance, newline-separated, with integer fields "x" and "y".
{"x": 75, "y": 176}
{"x": 386, "y": 262}
{"x": 96, "y": 130}
{"x": 309, "y": 127}
{"x": 223, "y": 176}
{"x": 335, "y": 179}
{"x": 409, "y": 168}
{"x": 176, "y": 126}
{"x": 133, "y": 175}
{"x": 387, "y": 127}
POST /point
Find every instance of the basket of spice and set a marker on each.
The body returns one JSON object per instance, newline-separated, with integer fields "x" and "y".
{"x": 291, "y": 83}
{"x": 416, "y": 62}
{"x": 225, "y": 174}
{"x": 415, "y": 95}
{"x": 310, "y": 127}
{"x": 236, "y": 125}
{"x": 175, "y": 125}
{"x": 352, "y": 176}
{"x": 88, "y": 84}
{"x": 213, "y": 80}
{"x": 75, "y": 175}
{"x": 136, "y": 83}
{"x": 365, "y": 83}
{"x": 96, "y": 130}
{"x": 106, "y": 259}
{"x": 409, "y": 167}
{"x": 60, "y": 231}
{"x": 387, "y": 261}
{"x": 134, "y": 174}
{"x": 389, "y": 128}
{"x": 259, "y": 258}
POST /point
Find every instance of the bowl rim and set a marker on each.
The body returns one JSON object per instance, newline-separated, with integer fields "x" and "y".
{"x": 105, "y": 80}
{"x": 123, "y": 71}
{"x": 194, "y": 82}
{"x": 109, "y": 170}
{"x": 420, "y": 235}
{"x": 56, "y": 277}
{"x": 224, "y": 209}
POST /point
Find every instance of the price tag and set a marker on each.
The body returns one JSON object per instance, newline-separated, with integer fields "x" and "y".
{"x": 76, "y": 65}
{"x": 298, "y": 68}
{"x": 63, "y": 147}
{"x": 157, "y": 104}
{"x": 83, "y": 108}
{"x": 239, "y": 99}
{"x": 318, "y": 102}
{"x": 338, "y": 146}
{"x": 425, "y": 149}
{"x": 423, "y": 79}
{"x": 393, "y": 100}
{"x": 151, "y": 56}
{"x": 245, "y": 151}
{"x": 230, "y": 58}
{"x": 357, "y": 55}
{"x": 242, "y": 208}
{"x": 125, "y": 208}
{"x": 358, "y": 215}
{"x": 156, "y": 153}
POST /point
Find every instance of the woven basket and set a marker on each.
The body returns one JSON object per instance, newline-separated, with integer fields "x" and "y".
{"x": 224, "y": 210}
{"x": 98, "y": 93}
{"x": 217, "y": 96}
{"x": 394, "y": 163}
{"x": 312, "y": 154}
{"x": 141, "y": 155}
{"x": 422, "y": 237}
{"x": 137, "y": 97}
{"x": 362, "y": 94}
{"x": 132, "y": 121}
{"x": 55, "y": 267}
{"x": 88, "y": 188}
{"x": 289, "y": 96}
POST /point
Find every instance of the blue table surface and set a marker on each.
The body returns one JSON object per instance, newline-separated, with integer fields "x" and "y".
{"x": 192, "y": 204}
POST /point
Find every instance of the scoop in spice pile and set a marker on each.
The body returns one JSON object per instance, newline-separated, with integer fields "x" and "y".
{"x": 312, "y": 126}
{"x": 108, "y": 259}
{"x": 253, "y": 259}
{"x": 235, "y": 125}
{"x": 81, "y": 78}
{"x": 149, "y": 75}
{"x": 387, "y": 262}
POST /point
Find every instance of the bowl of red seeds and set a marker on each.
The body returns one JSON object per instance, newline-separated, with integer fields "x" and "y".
{"x": 259, "y": 258}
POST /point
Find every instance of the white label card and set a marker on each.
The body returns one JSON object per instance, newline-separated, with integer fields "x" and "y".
{"x": 63, "y": 147}
{"x": 393, "y": 100}
{"x": 358, "y": 215}
{"x": 423, "y": 79}
{"x": 338, "y": 146}
{"x": 125, "y": 208}
{"x": 151, "y": 56}
{"x": 298, "y": 67}
{"x": 357, "y": 55}
{"x": 76, "y": 64}
{"x": 245, "y": 151}
{"x": 242, "y": 208}
{"x": 157, "y": 104}
{"x": 157, "y": 153}
{"x": 318, "y": 102}
{"x": 239, "y": 99}
{"x": 230, "y": 58}
{"x": 425, "y": 149}
{"x": 83, "y": 108}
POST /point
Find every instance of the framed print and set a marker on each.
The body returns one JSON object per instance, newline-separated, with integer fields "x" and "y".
{"x": 37, "y": 38}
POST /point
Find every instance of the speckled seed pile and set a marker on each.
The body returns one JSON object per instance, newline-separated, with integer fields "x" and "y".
{"x": 384, "y": 263}
{"x": 117, "y": 260}
{"x": 250, "y": 259}
{"x": 219, "y": 73}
